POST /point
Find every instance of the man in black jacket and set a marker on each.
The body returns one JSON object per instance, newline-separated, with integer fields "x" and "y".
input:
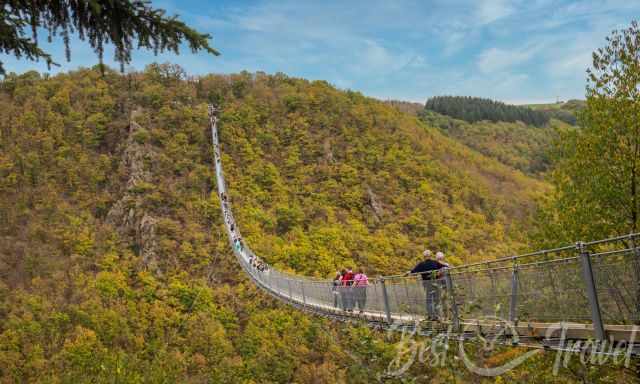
{"x": 430, "y": 270}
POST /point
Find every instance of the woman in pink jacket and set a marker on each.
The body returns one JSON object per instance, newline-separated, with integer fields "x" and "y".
{"x": 360, "y": 283}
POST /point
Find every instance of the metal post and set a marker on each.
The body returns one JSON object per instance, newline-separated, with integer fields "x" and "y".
{"x": 592, "y": 293}
{"x": 513, "y": 307}
{"x": 454, "y": 305}
{"x": 494, "y": 291}
{"x": 385, "y": 298}
{"x": 636, "y": 269}
{"x": 406, "y": 291}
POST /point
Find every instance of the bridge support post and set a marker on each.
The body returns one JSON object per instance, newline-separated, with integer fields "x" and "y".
{"x": 513, "y": 305}
{"x": 385, "y": 299}
{"x": 636, "y": 274}
{"x": 592, "y": 293}
{"x": 454, "y": 306}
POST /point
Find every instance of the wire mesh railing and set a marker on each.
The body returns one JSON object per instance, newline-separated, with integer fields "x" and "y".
{"x": 593, "y": 283}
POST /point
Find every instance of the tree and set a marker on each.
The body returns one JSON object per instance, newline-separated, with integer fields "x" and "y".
{"x": 474, "y": 109}
{"x": 118, "y": 22}
{"x": 597, "y": 176}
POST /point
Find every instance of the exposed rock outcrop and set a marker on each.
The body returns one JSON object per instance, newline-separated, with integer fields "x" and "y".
{"x": 128, "y": 214}
{"x": 328, "y": 153}
{"x": 374, "y": 204}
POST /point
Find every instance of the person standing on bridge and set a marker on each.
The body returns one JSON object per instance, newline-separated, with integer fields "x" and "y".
{"x": 346, "y": 291}
{"x": 360, "y": 283}
{"x": 430, "y": 270}
{"x": 440, "y": 259}
{"x": 336, "y": 286}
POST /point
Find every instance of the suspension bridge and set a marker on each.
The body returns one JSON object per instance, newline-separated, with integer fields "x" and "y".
{"x": 583, "y": 291}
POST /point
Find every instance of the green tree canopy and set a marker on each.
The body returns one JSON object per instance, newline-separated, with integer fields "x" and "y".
{"x": 118, "y": 22}
{"x": 474, "y": 109}
{"x": 597, "y": 176}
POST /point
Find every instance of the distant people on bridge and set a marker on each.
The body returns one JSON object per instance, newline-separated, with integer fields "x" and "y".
{"x": 237, "y": 243}
{"x": 430, "y": 270}
{"x": 335, "y": 289}
{"x": 346, "y": 290}
{"x": 360, "y": 283}
{"x": 258, "y": 264}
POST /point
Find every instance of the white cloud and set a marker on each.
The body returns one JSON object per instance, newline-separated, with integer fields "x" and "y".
{"x": 496, "y": 59}
{"x": 569, "y": 53}
{"x": 417, "y": 61}
{"x": 575, "y": 63}
{"x": 376, "y": 59}
{"x": 489, "y": 11}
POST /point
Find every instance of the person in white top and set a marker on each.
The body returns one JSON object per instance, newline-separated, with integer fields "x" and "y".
{"x": 440, "y": 259}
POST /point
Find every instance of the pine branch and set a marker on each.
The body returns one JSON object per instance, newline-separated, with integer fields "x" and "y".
{"x": 116, "y": 22}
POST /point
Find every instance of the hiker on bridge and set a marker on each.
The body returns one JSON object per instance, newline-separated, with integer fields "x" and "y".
{"x": 430, "y": 270}
{"x": 360, "y": 283}
{"x": 237, "y": 242}
{"x": 440, "y": 259}
{"x": 346, "y": 291}
{"x": 335, "y": 289}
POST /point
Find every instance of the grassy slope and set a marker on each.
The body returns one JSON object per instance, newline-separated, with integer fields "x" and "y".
{"x": 570, "y": 105}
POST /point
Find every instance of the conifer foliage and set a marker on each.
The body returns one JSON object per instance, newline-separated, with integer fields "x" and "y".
{"x": 116, "y": 22}
{"x": 473, "y": 109}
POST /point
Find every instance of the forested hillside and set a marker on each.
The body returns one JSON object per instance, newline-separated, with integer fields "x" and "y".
{"x": 346, "y": 179}
{"x": 113, "y": 261}
{"x": 523, "y": 147}
{"x": 406, "y": 106}
{"x": 516, "y": 144}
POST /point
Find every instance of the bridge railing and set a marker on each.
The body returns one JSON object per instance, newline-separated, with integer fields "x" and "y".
{"x": 593, "y": 283}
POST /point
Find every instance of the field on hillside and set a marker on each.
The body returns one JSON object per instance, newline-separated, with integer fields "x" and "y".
{"x": 569, "y": 105}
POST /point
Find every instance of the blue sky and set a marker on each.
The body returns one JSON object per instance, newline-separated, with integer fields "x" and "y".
{"x": 516, "y": 51}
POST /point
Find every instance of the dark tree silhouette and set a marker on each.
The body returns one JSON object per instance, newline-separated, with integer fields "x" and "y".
{"x": 473, "y": 109}
{"x": 121, "y": 23}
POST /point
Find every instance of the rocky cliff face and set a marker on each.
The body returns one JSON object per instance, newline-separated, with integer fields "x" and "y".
{"x": 375, "y": 205}
{"x": 128, "y": 214}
